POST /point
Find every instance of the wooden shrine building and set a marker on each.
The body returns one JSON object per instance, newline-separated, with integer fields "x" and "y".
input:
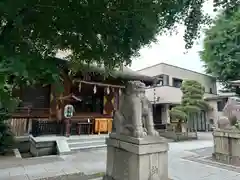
{"x": 93, "y": 96}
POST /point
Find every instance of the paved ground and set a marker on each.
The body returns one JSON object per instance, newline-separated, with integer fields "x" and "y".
{"x": 187, "y": 161}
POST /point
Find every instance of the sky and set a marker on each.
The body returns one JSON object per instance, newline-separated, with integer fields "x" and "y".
{"x": 171, "y": 50}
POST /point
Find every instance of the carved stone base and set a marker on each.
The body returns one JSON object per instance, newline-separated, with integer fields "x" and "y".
{"x": 129, "y": 158}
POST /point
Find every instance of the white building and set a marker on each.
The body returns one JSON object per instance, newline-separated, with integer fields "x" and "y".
{"x": 168, "y": 94}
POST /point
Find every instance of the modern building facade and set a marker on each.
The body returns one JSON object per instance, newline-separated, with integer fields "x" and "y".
{"x": 168, "y": 94}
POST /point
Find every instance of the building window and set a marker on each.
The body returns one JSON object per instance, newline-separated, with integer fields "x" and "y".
{"x": 220, "y": 105}
{"x": 165, "y": 80}
{"x": 160, "y": 83}
{"x": 177, "y": 82}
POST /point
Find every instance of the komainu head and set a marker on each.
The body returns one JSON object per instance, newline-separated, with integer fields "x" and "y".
{"x": 133, "y": 87}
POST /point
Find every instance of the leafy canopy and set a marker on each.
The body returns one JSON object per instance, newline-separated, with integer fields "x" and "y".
{"x": 192, "y": 100}
{"x": 221, "y": 53}
{"x": 107, "y": 32}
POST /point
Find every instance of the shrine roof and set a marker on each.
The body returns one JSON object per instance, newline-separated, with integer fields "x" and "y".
{"x": 123, "y": 73}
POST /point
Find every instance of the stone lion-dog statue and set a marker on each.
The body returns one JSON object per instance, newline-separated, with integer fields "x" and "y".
{"x": 135, "y": 114}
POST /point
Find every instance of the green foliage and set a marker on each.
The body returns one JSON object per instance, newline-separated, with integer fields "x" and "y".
{"x": 105, "y": 32}
{"x": 192, "y": 100}
{"x": 221, "y": 53}
{"x": 178, "y": 112}
{"x": 6, "y": 136}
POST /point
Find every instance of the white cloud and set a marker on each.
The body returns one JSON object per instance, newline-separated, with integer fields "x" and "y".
{"x": 170, "y": 49}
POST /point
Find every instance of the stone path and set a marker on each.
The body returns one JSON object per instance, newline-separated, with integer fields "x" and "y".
{"x": 187, "y": 161}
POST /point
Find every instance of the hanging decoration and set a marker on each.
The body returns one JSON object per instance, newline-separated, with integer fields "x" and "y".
{"x": 79, "y": 87}
{"x": 120, "y": 91}
{"x": 51, "y": 97}
{"x": 154, "y": 96}
{"x": 61, "y": 100}
{"x": 99, "y": 84}
{"x": 108, "y": 90}
{"x": 95, "y": 89}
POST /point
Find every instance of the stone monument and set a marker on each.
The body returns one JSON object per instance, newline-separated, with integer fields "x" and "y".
{"x": 227, "y": 136}
{"x": 231, "y": 109}
{"x": 135, "y": 151}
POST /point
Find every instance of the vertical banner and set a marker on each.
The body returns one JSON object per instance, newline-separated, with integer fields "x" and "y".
{"x": 108, "y": 103}
{"x": 52, "y": 102}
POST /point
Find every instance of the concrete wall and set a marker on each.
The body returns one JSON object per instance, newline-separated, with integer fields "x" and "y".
{"x": 184, "y": 74}
{"x": 170, "y": 94}
{"x": 27, "y": 144}
{"x": 167, "y": 94}
{"x": 42, "y": 148}
{"x": 23, "y": 144}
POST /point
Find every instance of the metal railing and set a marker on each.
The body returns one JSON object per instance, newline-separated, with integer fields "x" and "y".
{"x": 46, "y": 127}
{"x": 50, "y": 127}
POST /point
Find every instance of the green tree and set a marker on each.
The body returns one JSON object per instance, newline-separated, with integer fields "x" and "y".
{"x": 105, "y": 32}
{"x": 221, "y": 53}
{"x": 6, "y": 136}
{"x": 192, "y": 101}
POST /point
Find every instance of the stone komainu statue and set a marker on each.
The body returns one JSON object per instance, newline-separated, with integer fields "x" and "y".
{"x": 134, "y": 117}
{"x": 223, "y": 123}
{"x": 231, "y": 109}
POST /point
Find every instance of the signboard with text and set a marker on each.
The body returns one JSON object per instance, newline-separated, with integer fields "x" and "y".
{"x": 68, "y": 111}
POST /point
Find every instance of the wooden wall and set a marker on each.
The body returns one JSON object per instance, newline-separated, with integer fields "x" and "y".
{"x": 110, "y": 101}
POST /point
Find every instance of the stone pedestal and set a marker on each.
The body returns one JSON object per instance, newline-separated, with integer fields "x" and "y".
{"x": 130, "y": 158}
{"x": 226, "y": 146}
